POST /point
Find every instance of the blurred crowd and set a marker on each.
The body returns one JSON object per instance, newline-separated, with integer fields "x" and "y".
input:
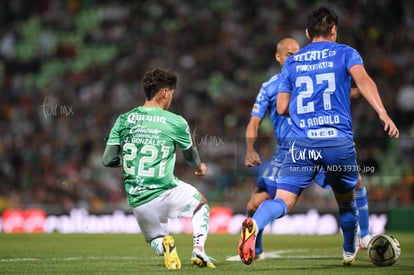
{"x": 68, "y": 68}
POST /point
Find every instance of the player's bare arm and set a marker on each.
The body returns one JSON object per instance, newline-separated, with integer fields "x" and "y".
{"x": 370, "y": 92}
{"x": 252, "y": 157}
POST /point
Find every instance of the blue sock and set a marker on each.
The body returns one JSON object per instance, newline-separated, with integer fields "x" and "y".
{"x": 268, "y": 211}
{"x": 348, "y": 220}
{"x": 258, "y": 244}
{"x": 362, "y": 203}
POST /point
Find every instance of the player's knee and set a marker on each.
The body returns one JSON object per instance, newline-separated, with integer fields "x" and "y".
{"x": 251, "y": 208}
{"x": 359, "y": 184}
{"x": 203, "y": 199}
{"x": 344, "y": 198}
{"x": 203, "y": 207}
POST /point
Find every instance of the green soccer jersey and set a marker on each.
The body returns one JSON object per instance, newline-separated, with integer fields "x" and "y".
{"x": 147, "y": 137}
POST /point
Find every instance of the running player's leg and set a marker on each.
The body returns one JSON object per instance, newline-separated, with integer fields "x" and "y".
{"x": 256, "y": 198}
{"x": 289, "y": 186}
{"x": 265, "y": 189}
{"x": 342, "y": 174}
{"x": 291, "y": 180}
{"x": 363, "y": 209}
{"x": 362, "y": 205}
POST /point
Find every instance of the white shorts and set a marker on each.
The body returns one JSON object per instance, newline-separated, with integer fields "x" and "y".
{"x": 178, "y": 202}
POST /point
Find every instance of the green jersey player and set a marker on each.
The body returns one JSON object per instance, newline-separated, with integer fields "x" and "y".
{"x": 143, "y": 141}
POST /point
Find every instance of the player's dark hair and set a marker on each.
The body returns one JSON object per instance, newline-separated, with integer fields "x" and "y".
{"x": 321, "y": 21}
{"x": 156, "y": 79}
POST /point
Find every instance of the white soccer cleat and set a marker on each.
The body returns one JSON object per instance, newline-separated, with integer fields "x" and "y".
{"x": 348, "y": 258}
{"x": 260, "y": 257}
{"x": 364, "y": 241}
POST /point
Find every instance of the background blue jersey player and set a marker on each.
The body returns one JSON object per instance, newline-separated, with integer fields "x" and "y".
{"x": 315, "y": 91}
{"x": 265, "y": 187}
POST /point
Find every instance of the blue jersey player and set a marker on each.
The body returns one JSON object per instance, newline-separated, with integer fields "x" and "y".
{"x": 315, "y": 91}
{"x": 265, "y": 187}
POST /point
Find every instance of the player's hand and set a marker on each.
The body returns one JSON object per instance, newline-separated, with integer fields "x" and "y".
{"x": 252, "y": 159}
{"x": 201, "y": 171}
{"x": 389, "y": 126}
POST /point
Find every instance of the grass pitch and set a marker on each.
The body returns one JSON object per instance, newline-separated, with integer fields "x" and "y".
{"x": 129, "y": 254}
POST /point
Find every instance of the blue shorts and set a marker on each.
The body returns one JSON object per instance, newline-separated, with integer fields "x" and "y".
{"x": 320, "y": 179}
{"x": 302, "y": 165}
{"x": 267, "y": 181}
{"x": 267, "y": 185}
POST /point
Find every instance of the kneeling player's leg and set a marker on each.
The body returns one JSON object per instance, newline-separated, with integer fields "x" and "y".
{"x": 152, "y": 226}
{"x": 188, "y": 202}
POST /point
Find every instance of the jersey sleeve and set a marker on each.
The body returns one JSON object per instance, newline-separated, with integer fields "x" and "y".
{"x": 114, "y": 136}
{"x": 353, "y": 58}
{"x": 284, "y": 83}
{"x": 183, "y": 135}
{"x": 261, "y": 104}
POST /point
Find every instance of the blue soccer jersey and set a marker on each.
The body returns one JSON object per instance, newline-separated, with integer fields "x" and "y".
{"x": 266, "y": 102}
{"x": 319, "y": 82}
